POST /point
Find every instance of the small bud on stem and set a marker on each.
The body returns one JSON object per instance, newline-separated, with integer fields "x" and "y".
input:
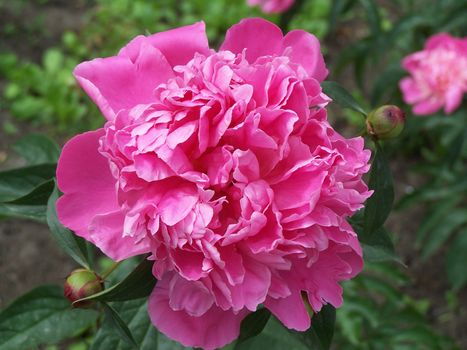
{"x": 82, "y": 283}
{"x": 385, "y": 122}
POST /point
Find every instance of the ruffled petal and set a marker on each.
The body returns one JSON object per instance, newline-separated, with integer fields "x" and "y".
{"x": 106, "y": 232}
{"x": 191, "y": 297}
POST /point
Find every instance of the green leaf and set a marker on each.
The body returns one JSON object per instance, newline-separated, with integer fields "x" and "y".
{"x": 37, "y": 149}
{"x": 31, "y": 212}
{"x": 19, "y": 182}
{"x": 432, "y": 192}
{"x": 319, "y": 336}
{"x": 134, "y": 313}
{"x": 436, "y": 218}
{"x": 53, "y": 60}
{"x": 73, "y": 245}
{"x": 386, "y": 82}
{"x": 379, "y": 205}
{"x": 456, "y": 261}
{"x": 373, "y": 16}
{"x": 379, "y": 247}
{"x": 38, "y": 196}
{"x": 405, "y": 25}
{"x": 360, "y": 64}
{"x": 42, "y": 316}
{"x": 252, "y": 325}
{"x": 322, "y": 324}
{"x": 373, "y": 253}
{"x": 341, "y": 96}
{"x": 32, "y": 205}
{"x": 338, "y": 8}
{"x": 138, "y": 284}
{"x": 454, "y": 21}
{"x": 378, "y": 286}
{"x": 118, "y": 324}
{"x": 454, "y": 152}
{"x": 350, "y": 54}
{"x": 376, "y": 247}
{"x": 439, "y": 234}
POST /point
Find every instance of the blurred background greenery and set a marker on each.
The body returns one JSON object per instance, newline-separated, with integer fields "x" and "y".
{"x": 413, "y": 301}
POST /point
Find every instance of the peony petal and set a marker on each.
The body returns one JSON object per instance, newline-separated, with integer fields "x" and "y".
{"x": 177, "y": 203}
{"x": 214, "y": 329}
{"x": 258, "y": 36}
{"x": 272, "y": 6}
{"x": 118, "y": 82}
{"x": 191, "y": 297}
{"x": 301, "y": 188}
{"x": 277, "y": 6}
{"x": 440, "y": 40}
{"x": 253, "y": 291}
{"x": 88, "y": 187}
{"x": 269, "y": 236}
{"x": 246, "y": 166}
{"x": 453, "y": 99}
{"x": 306, "y": 51}
{"x": 178, "y": 45}
{"x": 189, "y": 264}
{"x": 337, "y": 263}
{"x": 107, "y": 234}
{"x": 410, "y": 90}
{"x": 150, "y": 168}
{"x": 298, "y": 319}
{"x": 233, "y": 261}
{"x": 428, "y": 106}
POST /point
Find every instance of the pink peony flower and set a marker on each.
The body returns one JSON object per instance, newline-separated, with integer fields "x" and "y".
{"x": 438, "y": 75}
{"x": 272, "y": 6}
{"x": 223, "y": 167}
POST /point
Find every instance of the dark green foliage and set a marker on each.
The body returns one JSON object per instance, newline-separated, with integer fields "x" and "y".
{"x": 41, "y": 317}
{"x": 378, "y": 315}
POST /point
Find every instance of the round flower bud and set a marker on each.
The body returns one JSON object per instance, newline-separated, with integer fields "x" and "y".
{"x": 385, "y": 122}
{"x": 82, "y": 283}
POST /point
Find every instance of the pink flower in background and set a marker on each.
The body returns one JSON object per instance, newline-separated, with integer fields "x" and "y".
{"x": 438, "y": 75}
{"x": 223, "y": 167}
{"x": 272, "y": 6}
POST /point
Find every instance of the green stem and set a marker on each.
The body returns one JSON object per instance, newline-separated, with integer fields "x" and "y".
{"x": 110, "y": 270}
{"x": 363, "y": 132}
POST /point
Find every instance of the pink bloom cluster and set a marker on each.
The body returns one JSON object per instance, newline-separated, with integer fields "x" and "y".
{"x": 223, "y": 167}
{"x": 272, "y": 6}
{"x": 438, "y": 75}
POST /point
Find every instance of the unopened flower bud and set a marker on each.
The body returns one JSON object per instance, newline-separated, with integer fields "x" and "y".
{"x": 385, "y": 122}
{"x": 82, "y": 283}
